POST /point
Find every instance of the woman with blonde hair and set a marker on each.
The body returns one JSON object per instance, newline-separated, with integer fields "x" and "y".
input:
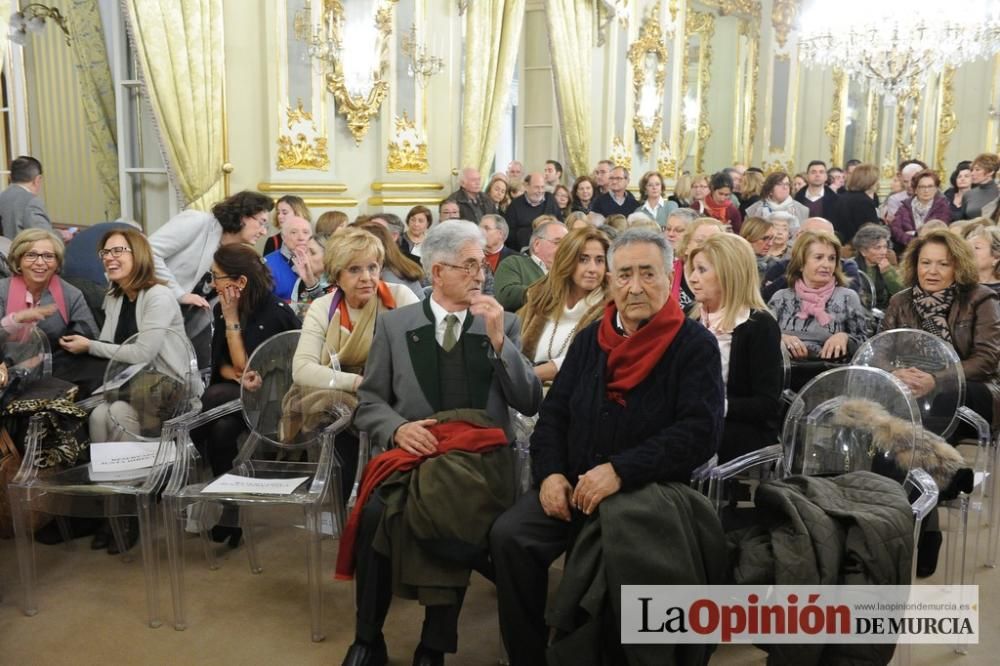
{"x": 286, "y": 207}
{"x": 343, "y": 323}
{"x": 721, "y": 276}
{"x": 750, "y": 189}
{"x": 396, "y": 267}
{"x": 760, "y": 234}
{"x": 985, "y": 243}
{"x": 498, "y": 191}
{"x": 682, "y": 191}
{"x": 696, "y": 234}
{"x": 571, "y": 296}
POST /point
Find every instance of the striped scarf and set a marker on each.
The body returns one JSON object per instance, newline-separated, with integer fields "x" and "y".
{"x": 933, "y": 309}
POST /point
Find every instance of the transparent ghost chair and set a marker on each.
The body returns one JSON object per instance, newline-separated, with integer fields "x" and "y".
{"x": 942, "y": 411}
{"x": 273, "y": 408}
{"x": 869, "y": 299}
{"x": 151, "y": 380}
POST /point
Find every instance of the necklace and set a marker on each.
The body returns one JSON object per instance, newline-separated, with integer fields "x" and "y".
{"x": 569, "y": 338}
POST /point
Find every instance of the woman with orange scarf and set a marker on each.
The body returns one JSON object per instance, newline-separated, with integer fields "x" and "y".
{"x": 719, "y": 203}
{"x": 342, "y": 324}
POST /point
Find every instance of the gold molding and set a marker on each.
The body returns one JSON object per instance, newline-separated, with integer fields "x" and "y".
{"x": 665, "y": 163}
{"x": 750, "y": 28}
{"x": 947, "y": 119}
{"x": 749, "y": 9}
{"x": 324, "y": 202}
{"x": 905, "y": 149}
{"x": 782, "y": 17}
{"x": 703, "y": 24}
{"x": 406, "y": 187}
{"x": 650, "y": 41}
{"x": 871, "y": 122}
{"x": 775, "y": 166}
{"x": 620, "y": 155}
{"x": 406, "y": 155}
{"x": 289, "y": 188}
{"x": 834, "y": 128}
{"x": 359, "y": 110}
{"x": 301, "y": 152}
{"x": 404, "y": 201}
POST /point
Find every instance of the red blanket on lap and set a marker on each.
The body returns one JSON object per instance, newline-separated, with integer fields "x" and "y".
{"x": 451, "y": 436}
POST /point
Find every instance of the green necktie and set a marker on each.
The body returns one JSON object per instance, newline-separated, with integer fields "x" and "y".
{"x": 450, "y": 332}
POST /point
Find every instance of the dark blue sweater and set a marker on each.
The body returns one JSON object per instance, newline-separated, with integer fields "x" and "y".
{"x": 671, "y": 422}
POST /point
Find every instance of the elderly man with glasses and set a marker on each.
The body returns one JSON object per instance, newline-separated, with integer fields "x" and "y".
{"x": 518, "y": 272}
{"x": 441, "y": 378}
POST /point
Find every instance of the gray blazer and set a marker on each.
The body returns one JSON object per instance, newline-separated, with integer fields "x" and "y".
{"x": 20, "y": 210}
{"x": 401, "y": 381}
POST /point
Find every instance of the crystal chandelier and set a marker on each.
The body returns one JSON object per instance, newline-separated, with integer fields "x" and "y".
{"x": 422, "y": 64}
{"x": 892, "y": 43}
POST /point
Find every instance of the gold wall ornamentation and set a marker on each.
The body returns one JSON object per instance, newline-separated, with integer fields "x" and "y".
{"x": 871, "y": 122}
{"x": 301, "y": 147}
{"x": 947, "y": 119}
{"x": 749, "y": 9}
{"x": 906, "y": 123}
{"x": 649, "y": 43}
{"x": 751, "y": 30}
{"x": 620, "y": 155}
{"x": 777, "y": 165}
{"x": 406, "y": 187}
{"x": 782, "y": 17}
{"x": 405, "y": 201}
{"x": 407, "y": 150}
{"x": 358, "y": 109}
{"x": 666, "y": 164}
{"x": 834, "y": 128}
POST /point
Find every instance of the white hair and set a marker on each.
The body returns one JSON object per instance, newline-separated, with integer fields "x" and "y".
{"x": 636, "y": 236}
{"x": 445, "y": 241}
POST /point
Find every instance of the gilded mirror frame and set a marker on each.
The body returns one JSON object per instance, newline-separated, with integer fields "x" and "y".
{"x": 358, "y": 109}
{"x": 650, "y": 42}
{"x": 702, "y": 25}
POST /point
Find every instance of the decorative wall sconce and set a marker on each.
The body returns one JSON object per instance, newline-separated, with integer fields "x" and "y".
{"x": 407, "y": 150}
{"x": 422, "y": 64}
{"x": 620, "y": 155}
{"x": 32, "y": 18}
{"x": 350, "y": 48}
{"x": 608, "y": 11}
{"x": 666, "y": 164}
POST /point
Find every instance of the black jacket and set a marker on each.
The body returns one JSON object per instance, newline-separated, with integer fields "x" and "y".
{"x": 520, "y": 214}
{"x": 753, "y": 389}
{"x": 472, "y": 208}
{"x": 671, "y": 422}
{"x": 827, "y": 201}
{"x": 272, "y": 317}
{"x": 850, "y": 211}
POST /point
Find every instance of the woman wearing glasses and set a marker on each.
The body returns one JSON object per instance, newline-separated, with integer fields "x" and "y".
{"x": 342, "y": 323}
{"x": 927, "y": 203}
{"x": 247, "y": 314}
{"x": 35, "y": 296}
{"x": 137, "y": 301}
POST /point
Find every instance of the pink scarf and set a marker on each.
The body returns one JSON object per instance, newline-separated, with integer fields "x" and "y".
{"x": 675, "y": 288}
{"x": 17, "y": 296}
{"x": 812, "y": 302}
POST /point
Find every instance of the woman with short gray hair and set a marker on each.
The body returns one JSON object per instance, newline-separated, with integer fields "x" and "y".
{"x": 871, "y": 243}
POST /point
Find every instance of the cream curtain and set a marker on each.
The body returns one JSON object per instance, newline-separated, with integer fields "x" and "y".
{"x": 4, "y": 23}
{"x": 179, "y": 47}
{"x": 97, "y": 94}
{"x": 571, "y": 34}
{"x": 493, "y": 35}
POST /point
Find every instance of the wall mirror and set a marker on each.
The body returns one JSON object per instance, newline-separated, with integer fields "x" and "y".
{"x": 648, "y": 57}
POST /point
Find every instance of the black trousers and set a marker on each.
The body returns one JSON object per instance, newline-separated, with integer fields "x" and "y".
{"x": 374, "y": 590}
{"x": 524, "y": 542}
{"x": 218, "y": 440}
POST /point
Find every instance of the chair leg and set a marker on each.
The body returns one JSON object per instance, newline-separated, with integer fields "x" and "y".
{"x": 150, "y": 558}
{"x": 25, "y": 548}
{"x": 314, "y": 534}
{"x": 118, "y": 533}
{"x": 62, "y": 522}
{"x": 173, "y": 520}
{"x": 246, "y": 523}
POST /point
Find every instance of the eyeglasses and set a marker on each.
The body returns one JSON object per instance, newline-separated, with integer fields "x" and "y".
{"x": 616, "y": 178}
{"x": 47, "y": 257}
{"x": 767, "y": 239}
{"x": 554, "y": 242}
{"x": 115, "y": 252}
{"x": 471, "y": 268}
{"x": 213, "y": 278}
{"x": 932, "y": 186}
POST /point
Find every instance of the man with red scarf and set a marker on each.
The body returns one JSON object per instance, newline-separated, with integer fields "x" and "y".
{"x": 639, "y": 400}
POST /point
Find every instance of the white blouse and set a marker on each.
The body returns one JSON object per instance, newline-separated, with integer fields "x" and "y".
{"x": 557, "y": 335}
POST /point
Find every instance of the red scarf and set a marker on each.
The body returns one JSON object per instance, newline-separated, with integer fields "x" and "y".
{"x": 339, "y": 303}
{"x": 718, "y": 211}
{"x": 631, "y": 359}
{"x": 451, "y": 436}
{"x": 17, "y": 296}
